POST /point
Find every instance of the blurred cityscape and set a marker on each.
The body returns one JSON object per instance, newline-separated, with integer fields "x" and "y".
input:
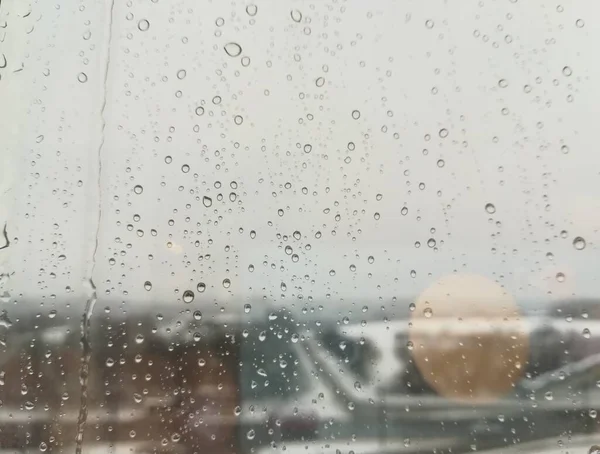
{"x": 276, "y": 380}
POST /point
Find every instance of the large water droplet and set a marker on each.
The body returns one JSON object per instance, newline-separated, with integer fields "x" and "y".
{"x": 490, "y": 208}
{"x": 207, "y": 201}
{"x": 579, "y": 243}
{"x": 143, "y": 25}
{"x": 233, "y": 49}
{"x": 296, "y": 15}
{"x": 188, "y": 296}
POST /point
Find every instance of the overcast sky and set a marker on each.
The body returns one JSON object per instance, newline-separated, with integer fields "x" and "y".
{"x": 330, "y": 127}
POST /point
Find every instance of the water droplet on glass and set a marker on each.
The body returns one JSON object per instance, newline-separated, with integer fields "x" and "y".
{"x": 429, "y": 24}
{"x": 233, "y": 49}
{"x": 567, "y": 71}
{"x": 207, "y": 201}
{"x": 579, "y": 23}
{"x": 490, "y": 208}
{"x": 404, "y": 211}
{"x": 579, "y": 243}
{"x": 181, "y": 74}
{"x": 356, "y": 114}
{"x": 427, "y": 312}
{"x": 296, "y": 15}
{"x": 82, "y": 77}
{"x": 560, "y": 277}
{"x": 441, "y": 163}
{"x": 238, "y": 120}
{"x": 371, "y": 259}
{"x": 199, "y": 111}
{"x": 586, "y": 333}
{"x": 320, "y": 82}
{"x": 443, "y": 133}
{"x": 143, "y": 25}
{"x": 138, "y": 189}
{"x": 188, "y": 296}
{"x": 251, "y": 9}
{"x": 148, "y": 286}
{"x": 251, "y": 434}
{"x": 226, "y": 283}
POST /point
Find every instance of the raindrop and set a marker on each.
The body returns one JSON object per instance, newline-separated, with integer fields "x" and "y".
{"x": 199, "y": 111}
{"x": 148, "y": 286}
{"x": 226, "y": 283}
{"x": 567, "y": 71}
{"x": 181, "y": 74}
{"x": 247, "y": 308}
{"x": 138, "y": 189}
{"x": 197, "y": 315}
{"x": 188, "y": 296}
{"x": 371, "y": 259}
{"x": 586, "y": 333}
{"x": 443, "y": 133}
{"x": 201, "y": 287}
{"x": 490, "y": 208}
{"x": 82, "y": 77}
{"x": 320, "y": 82}
{"x": 404, "y": 211}
{"x": 296, "y": 15}
{"x": 427, "y": 312}
{"x": 356, "y": 114}
{"x": 579, "y": 243}
{"x": 207, "y": 201}
{"x": 431, "y": 242}
{"x": 233, "y": 49}
{"x": 560, "y": 277}
{"x": 429, "y": 24}
{"x": 143, "y": 25}
{"x": 238, "y": 120}
{"x": 251, "y": 9}
{"x": 564, "y": 149}
{"x": 441, "y": 163}
{"x": 579, "y": 23}
{"x": 251, "y": 434}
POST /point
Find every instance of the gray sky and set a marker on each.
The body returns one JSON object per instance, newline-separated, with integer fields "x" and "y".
{"x": 461, "y": 104}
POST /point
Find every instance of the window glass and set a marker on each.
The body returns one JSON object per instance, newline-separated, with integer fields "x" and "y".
{"x": 333, "y": 226}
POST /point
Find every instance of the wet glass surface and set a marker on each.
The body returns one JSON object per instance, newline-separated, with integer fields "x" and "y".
{"x": 338, "y": 227}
